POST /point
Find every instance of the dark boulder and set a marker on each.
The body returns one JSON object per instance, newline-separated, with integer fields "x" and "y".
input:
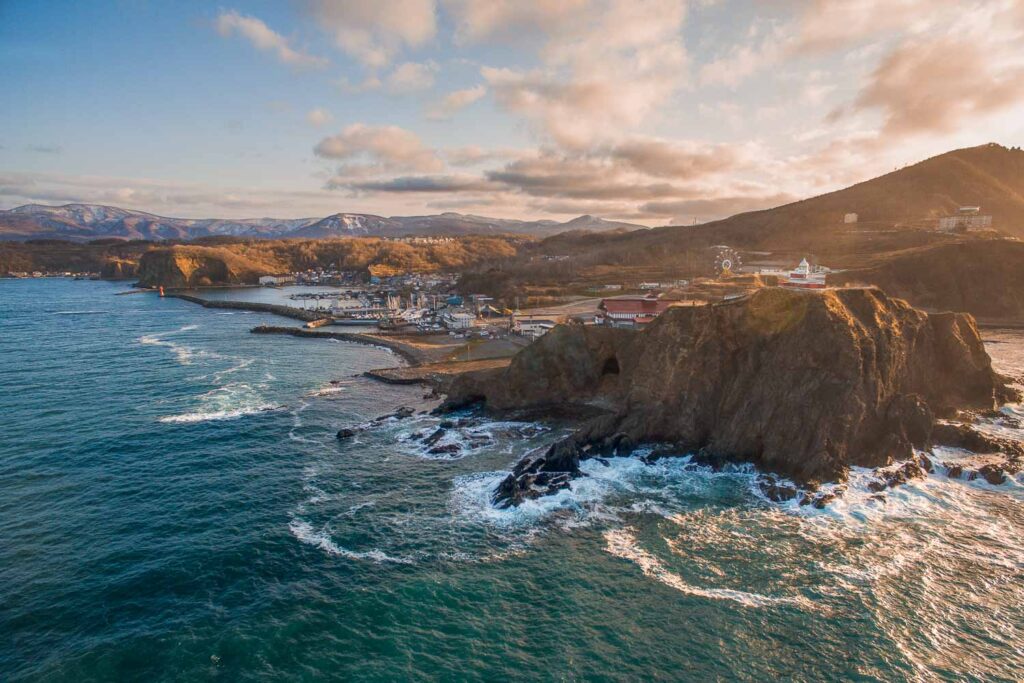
{"x": 776, "y": 490}
{"x": 435, "y": 437}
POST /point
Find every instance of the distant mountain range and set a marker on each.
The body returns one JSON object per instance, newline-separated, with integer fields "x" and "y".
{"x": 84, "y": 222}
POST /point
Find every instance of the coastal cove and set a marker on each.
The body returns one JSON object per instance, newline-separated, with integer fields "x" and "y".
{"x": 176, "y": 501}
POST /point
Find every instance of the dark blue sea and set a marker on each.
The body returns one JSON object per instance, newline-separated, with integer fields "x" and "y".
{"x": 174, "y": 506}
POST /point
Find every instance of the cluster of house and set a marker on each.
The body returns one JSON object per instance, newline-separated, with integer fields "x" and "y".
{"x": 40, "y": 273}
{"x": 422, "y": 240}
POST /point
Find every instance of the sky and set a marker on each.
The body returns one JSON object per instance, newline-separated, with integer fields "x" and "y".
{"x": 651, "y": 111}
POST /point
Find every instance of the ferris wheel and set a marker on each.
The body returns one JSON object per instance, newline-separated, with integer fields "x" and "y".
{"x": 727, "y": 261}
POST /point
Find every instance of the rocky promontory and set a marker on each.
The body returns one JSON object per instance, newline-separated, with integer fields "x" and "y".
{"x": 802, "y": 384}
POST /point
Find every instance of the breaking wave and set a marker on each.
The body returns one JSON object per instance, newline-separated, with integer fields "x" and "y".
{"x": 229, "y": 402}
{"x": 305, "y": 532}
{"x": 622, "y": 543}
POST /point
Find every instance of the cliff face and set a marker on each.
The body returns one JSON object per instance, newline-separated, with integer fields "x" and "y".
{"x": 804, "y": 384}
{"x": 191, "y": 266}
{"x": 983, "y": 277}
{"x": 119, "y": 269}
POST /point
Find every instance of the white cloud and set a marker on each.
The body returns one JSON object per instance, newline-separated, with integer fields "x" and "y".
{"x": 605, "y": 72}
{"x": 318, "y": 117}
{"x": 477, "y": 20}
{"x": 167, "y": 198}
{"x": 936, "y": 84}
{"x": 266, "y": 39}
{"x": 383, "y": 148}
{"x": 456, "y": 101}
{"x": 411, "y": 77}
{"x": 375, "y": 32}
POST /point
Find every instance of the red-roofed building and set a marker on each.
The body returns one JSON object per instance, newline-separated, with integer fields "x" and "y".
{"x": 632, "y": 310}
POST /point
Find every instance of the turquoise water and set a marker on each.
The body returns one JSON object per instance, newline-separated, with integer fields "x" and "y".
{"x": 175, "y": 507}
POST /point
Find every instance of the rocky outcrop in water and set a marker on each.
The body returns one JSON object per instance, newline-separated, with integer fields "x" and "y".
{"x": 803, "y": 384}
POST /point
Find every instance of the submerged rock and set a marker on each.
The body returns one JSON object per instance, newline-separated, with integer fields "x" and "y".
{"x": 803, "y": 384}
{"x": 346, "y": 433}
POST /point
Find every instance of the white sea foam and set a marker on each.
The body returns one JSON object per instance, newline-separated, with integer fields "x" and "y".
{"x": 217, "y": 415}
{"x": 622, "y": 543}
{"x": 229, "y": 402}
{"x": 183, "y": 353}
{"x": 305, "y": 532}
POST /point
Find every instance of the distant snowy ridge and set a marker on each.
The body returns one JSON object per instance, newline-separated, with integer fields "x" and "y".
{"x": 82, "y": 222}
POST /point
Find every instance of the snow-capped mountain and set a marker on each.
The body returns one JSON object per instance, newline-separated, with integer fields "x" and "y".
{"x": 83, "y": 222}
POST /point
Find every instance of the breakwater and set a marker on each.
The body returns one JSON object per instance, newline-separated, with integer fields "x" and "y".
{"x": 355, "y": 337}
{"x": 276, "y": 309}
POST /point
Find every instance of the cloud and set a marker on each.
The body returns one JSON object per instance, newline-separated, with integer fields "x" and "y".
{"x": 605, "y": 72}
{"x": 266, "y": 39}
{"x": 555, "y": 175}
{"x": 375, "y": 32}
{"x": 682, "y": 160}
{"x": 386, "y": 148}
{"x": 473, "y": 155}
{"x": 318, "y": 117}
{"x": 477, "y": 20}
{"x": 161, "y": 197}
{"x": 424, "y": 184}
{"x": 705, "y": 209}
{"x": 742, "y": 62}
{"x": 44, "y": 149}
{"x": 411, "y": 77}
{"x": 455, "y": 101}
{"x": 830, "y": 25}
{"x": 935, "y": 85}
{"x": 636, "y": 177}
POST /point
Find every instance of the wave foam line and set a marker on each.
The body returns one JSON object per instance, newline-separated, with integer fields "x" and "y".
{"x": 216, "y": 415}
{"x": 304, "y": 531}
{"x": 622, "y": 543}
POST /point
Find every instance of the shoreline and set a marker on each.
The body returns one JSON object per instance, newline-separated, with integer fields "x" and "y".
{"x": 420, "y": 366}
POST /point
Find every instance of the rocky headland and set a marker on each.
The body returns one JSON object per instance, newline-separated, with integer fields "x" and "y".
{"x": 802, "y": 384}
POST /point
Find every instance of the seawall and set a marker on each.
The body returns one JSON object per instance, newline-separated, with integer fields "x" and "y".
{"x": 276, "y": 309}
{"x": 355, "y": 337}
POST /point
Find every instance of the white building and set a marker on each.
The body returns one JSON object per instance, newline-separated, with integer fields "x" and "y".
{"x": 850, "y": 218}
{"x": 276, "y": 280}
{"x": 532, "y": 327}
{"x": 457, "y": 320}
{"x": 649, "y": 285}
{"x": 966, "y": 218}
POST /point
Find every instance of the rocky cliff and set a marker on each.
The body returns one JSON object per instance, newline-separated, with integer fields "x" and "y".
{"x": 804, "y": 384}
{"x": 186, "y": 266}
{"x": 981, "y": 276}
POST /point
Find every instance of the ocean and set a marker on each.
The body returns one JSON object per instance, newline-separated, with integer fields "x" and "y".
{"x": 174, "y": 506}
